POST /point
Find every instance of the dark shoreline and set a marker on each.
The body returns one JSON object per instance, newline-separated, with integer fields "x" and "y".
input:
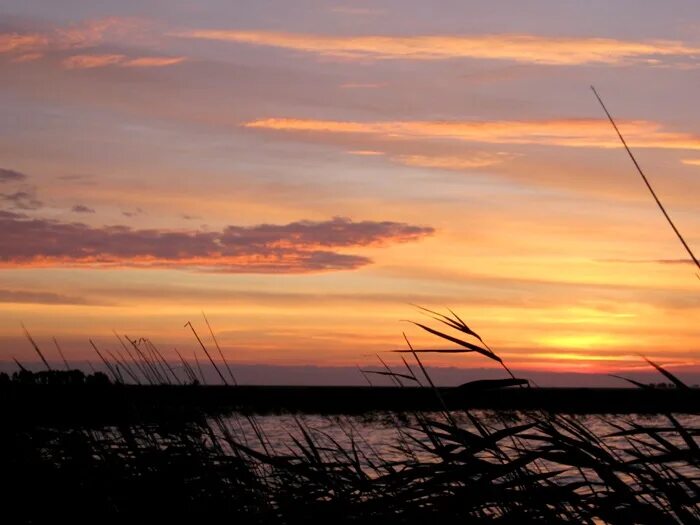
{"x": 107, "y": 403}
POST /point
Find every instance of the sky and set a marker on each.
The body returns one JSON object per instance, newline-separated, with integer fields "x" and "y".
{"x": 305, "y": 172}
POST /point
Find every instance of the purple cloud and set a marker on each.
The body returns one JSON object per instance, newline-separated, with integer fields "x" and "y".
{"x": 297, "y": 247}
{"x": 27, "y": 297}
{"x": 11, "y": 175}
{"x": 22, "y": 199}
{"x": 134, "y": 213}
{"x": 81, "y": 208}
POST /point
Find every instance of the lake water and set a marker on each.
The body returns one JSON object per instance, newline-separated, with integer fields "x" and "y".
{"x": 386, "y": 435}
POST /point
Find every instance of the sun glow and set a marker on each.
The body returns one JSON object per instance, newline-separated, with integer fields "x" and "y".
{"x": 582, "y": 341}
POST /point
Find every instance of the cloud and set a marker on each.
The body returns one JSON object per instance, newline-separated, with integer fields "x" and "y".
{"x": 94, "y": 32}
{"x": 647, "y": 261}
{"x": 22, "y": 296}
{"x": 22, "y": 199}
{"x": 298, "y": 247}
{"x": 95, "y": 61}
{"x": 25, "y": 47}
{"x": 80, "y": 36}
{"x": 11, "y": 175}
{"x": 91, "y": 61}
{"x": 691, "y": 162}
{"x": 456, "y": 163}
{"x": 22, "y": 43}
{"x": 81, "y": 208}
{"x": 152, "y": 61}
{"x": 513, "y": 47}
{"x": 561, "y": 132}
{"x": 366, "y": 152}
{"x": 132, "y": 213}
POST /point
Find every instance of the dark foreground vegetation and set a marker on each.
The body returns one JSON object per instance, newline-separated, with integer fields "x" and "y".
{"x": 450, "y": 465}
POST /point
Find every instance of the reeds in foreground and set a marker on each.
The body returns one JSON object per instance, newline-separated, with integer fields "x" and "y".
{"x": 453, "y": 467}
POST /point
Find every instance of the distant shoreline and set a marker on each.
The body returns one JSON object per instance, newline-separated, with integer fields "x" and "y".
{"x": 114, "y": 403}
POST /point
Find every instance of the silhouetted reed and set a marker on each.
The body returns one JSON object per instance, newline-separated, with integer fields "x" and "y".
{"x": 454, "y": 466}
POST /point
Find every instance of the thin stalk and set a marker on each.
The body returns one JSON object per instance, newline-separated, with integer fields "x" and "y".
{"x": 188, "y": 323}
{"x": 446, "y": 412}
{"x": 115, "y": 375}
{"x": 155, "y": 375}
{"x": 36, "y": 347}
{"x": 230, "y": 372}
{"x": 60, "y": 352}
{"x": 646, "y": 181}
{"x": 164, "y": 361}
{"x": 19, "y": 365}
{"x": 137, "y": 362}
{"x": 199, "y": 368}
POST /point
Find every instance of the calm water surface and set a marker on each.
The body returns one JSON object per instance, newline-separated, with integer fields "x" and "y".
{"x": 383, "y": 434}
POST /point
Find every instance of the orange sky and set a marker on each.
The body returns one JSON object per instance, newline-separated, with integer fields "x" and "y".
{"x": 304, "y": 173}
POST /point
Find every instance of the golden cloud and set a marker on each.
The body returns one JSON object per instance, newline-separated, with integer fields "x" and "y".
{"x": 21, "y": 43}
{"x": 561, "y": 132}
{"x": 152, "y": 61}
{"x": 366, "y": 152}
{"x": 91, "y": 61}
{"x": 94, "y": 32}
{"x": 477, "y": 160}
{"x": 515, "y": 47}
{"x": 87, "y": 34}
{"x": 25, "y": 47}
{"x": 94, "y": 61}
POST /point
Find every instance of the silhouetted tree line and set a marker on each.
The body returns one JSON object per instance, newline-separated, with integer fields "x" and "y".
{"x": 54, "y": 377}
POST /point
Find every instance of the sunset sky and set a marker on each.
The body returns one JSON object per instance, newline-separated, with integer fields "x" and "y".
{"x": 305, "y": 171}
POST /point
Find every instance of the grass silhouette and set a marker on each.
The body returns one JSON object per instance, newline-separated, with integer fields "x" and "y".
{"x": 454, "y": 466}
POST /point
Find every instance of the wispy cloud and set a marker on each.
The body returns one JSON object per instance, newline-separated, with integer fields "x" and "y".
{"x": 22, "y": 199}
{"x": 22, "y": 43}
{"x": 297, "y": 247}
{"x": 81, "y": 208}
{"x": 366, "y": 152}
{"x": 34, "y": 297}
{"x": 79, "y": 36}
{"x": 91, "y": 61}
{"x": 647, "y": 261}
{"x": 561, "y": 132}
{"x": 28, "y": 46}
{"x": 514, "y": 47}
{"x": 7, "y": 175}
{"x": 93, "y": 32}
{"x": 153, "y": 61}
{"x": 95, "y": 61}
{"x": 691, "y": 162}
{"x": 456, "y": 163}
{"x": 133, "y": 213}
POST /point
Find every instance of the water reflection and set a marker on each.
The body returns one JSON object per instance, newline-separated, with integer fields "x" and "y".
{"x": 399, "y": 438}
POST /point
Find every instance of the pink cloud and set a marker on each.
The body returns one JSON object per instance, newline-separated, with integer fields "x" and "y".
{"x": 89, "y": 35}
{"x": 91, "y": 61}
{"x": 97, "y": 61}
{"x": 297, "y": 247}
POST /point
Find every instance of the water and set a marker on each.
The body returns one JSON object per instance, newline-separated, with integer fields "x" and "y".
{"x": 398, "y": 438}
